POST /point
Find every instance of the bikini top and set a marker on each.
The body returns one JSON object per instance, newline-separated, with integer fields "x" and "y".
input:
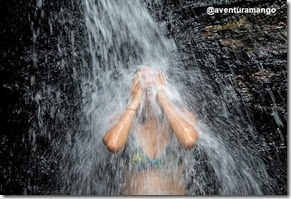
{"x": 141, "y": 161}
{"x": 137, "y": 159}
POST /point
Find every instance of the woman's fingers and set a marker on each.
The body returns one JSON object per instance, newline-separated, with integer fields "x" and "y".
{"x": 161, "y": 78}
{"x": 136, "y": 82}
{"x": 135, "y": 79}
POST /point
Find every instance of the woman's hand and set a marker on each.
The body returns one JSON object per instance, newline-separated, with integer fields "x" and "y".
{"x": 160, "y": 83}
{"x": 135, "y": 93}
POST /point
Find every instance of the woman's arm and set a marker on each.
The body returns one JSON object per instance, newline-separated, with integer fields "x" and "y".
{"x": 185, "y": 132}
{"x": 115, "y": 138}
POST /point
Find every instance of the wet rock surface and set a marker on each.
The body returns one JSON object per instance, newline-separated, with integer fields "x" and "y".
{"x": 247, "y": 53}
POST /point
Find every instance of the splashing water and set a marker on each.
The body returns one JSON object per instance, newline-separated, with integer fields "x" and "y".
{"x": 119, "y": 37}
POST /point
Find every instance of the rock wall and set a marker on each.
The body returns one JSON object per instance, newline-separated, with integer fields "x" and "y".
{"x": 245, "y": 52}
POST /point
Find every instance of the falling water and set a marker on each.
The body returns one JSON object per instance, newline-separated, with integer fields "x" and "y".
{"x": 99, "y": 54}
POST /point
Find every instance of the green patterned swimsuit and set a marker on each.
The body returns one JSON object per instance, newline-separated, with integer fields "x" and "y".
{"x": 141, "y": 161}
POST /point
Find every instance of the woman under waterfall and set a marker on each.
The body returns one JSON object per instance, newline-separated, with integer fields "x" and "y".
{"x": 152, "y": 167}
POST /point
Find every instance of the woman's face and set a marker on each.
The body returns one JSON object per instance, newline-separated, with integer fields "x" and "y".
{"x": 147, "y": 76}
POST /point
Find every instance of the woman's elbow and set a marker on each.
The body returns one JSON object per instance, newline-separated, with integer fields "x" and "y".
{"x": 189, "y": 144}
{"x": 111, "y": 146}
{"x": 191, "y": 140}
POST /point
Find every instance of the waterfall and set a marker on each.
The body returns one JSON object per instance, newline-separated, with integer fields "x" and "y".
{"x": 96, "y": 60}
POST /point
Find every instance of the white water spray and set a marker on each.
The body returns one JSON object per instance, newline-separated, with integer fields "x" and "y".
{"x": 120, "y": 36}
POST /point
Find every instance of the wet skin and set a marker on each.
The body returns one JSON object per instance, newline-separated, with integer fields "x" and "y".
{"x": 152, "y": 140}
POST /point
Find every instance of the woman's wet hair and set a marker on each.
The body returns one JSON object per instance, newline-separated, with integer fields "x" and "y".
{"x": 142, "y": 118}
{"x": 138, "y": 70}
{"x": 140, "y": 67}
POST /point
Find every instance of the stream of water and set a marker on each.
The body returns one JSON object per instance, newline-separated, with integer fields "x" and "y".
{"x": 119, "y": 37}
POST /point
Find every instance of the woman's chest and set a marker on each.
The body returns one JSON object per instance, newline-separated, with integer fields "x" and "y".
{"x": 153, "y": 139}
